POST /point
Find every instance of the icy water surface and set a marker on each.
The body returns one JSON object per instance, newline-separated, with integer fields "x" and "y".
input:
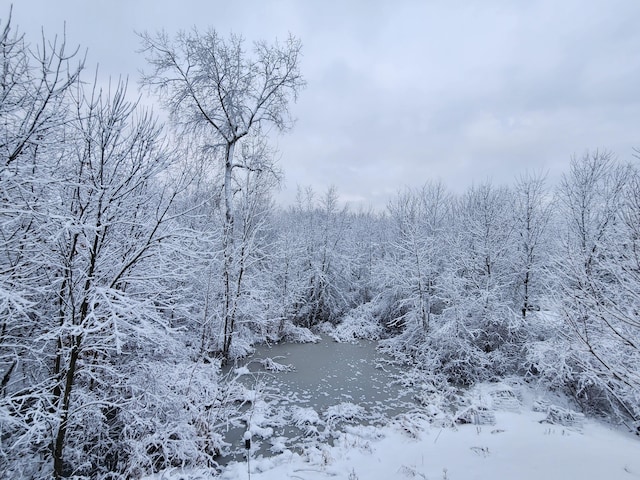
{"x": 329, "y": 385}
{"x": 328, "y": 373}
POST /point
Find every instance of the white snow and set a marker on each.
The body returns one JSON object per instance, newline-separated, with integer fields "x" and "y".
{"x": 520, "y": 445}
{"x": 271, "y": 365}
{"x": 242, "y": 371}
{"x": 528, "y": 437}
{"x": 344, "y": 411}
{"x": 302, "y": 416}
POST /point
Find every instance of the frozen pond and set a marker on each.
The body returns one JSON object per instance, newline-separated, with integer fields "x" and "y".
{"x": 322, "y": 386}
{"x": 328, "y": 373}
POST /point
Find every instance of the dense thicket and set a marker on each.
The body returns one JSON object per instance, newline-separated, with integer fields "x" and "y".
{"x": 98, "y": 366}
{"x": 130, "y": 267}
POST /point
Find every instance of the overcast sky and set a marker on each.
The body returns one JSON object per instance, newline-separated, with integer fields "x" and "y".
{"x": 401, "y": 92}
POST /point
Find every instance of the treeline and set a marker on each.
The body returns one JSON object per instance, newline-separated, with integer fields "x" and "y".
{"x": 136, "y": 258}
{"x": 529, "y": 280}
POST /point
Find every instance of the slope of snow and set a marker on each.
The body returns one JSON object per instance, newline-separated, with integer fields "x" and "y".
{"x": 519, "y": 445}
{"x": 512, "y": 433}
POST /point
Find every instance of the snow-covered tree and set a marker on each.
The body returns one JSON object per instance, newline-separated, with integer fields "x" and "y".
{"x": 478, "y": 323}
{"x": 34, "y": 83}
{"x": 217, "y": 91}
{"x": 416, "y": 257}
{"x": 90, "y": 264}
{"x": 598, "y": 272}
{"x": 484, "y": 243}
{"x": 325, "y": 267}
{"x": 532, "y": 216}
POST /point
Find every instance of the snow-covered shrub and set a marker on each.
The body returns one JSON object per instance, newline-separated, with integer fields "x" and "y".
{"x": 306, "y": 419}
{"x": 448, "y": 351}
{"x": 556, "y": 361}
{"x": 412, "y": 423}
{"x": 272, "y": 366}
{"x": 476, "y": 415}
{"x": 451, "y": 351}
{"x": 177, "y": 418}
{"x": 324, "y": 328}
{"x": 560, "y": 416}
{"x": 437, "y": 411}
{"x": 550, "y": 362}
{"x": 344, "y": 411}
{"x": 504, "y": 397}
{"x": 297, "y": 334}
{"x": 405, "y": 344}
{"x": 476, "y": 407}
{"x": 358, "y": 324}
{"x": 242, "y": 344}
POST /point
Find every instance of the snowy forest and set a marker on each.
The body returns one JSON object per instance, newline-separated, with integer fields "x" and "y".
{"x": 138, "y": 257}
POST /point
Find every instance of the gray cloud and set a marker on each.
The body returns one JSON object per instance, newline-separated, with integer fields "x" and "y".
{"x": 400, "y": 93}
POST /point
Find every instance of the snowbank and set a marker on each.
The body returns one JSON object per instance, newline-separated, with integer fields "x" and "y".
{"x": 522, "y": 445}
{"x": 511, "y": 433}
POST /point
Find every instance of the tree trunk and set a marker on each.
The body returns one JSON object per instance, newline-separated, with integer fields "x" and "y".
{"x": 58, "y": 448}
{"x": 525, "y": 306}
{"x": 228, "y": 246}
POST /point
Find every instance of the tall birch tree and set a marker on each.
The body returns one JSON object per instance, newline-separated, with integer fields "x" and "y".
{"x": 216, "y": 90}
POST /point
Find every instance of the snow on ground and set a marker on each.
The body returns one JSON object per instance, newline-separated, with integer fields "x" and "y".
{"x": 508, "y": 431}
{"x": 519, "y": 445}
{"x": 502, "y": 430}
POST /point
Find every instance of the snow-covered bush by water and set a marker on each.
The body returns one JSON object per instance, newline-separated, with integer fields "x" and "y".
{"x": 344, "y": 411}
{"x": 359, "y": 323}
